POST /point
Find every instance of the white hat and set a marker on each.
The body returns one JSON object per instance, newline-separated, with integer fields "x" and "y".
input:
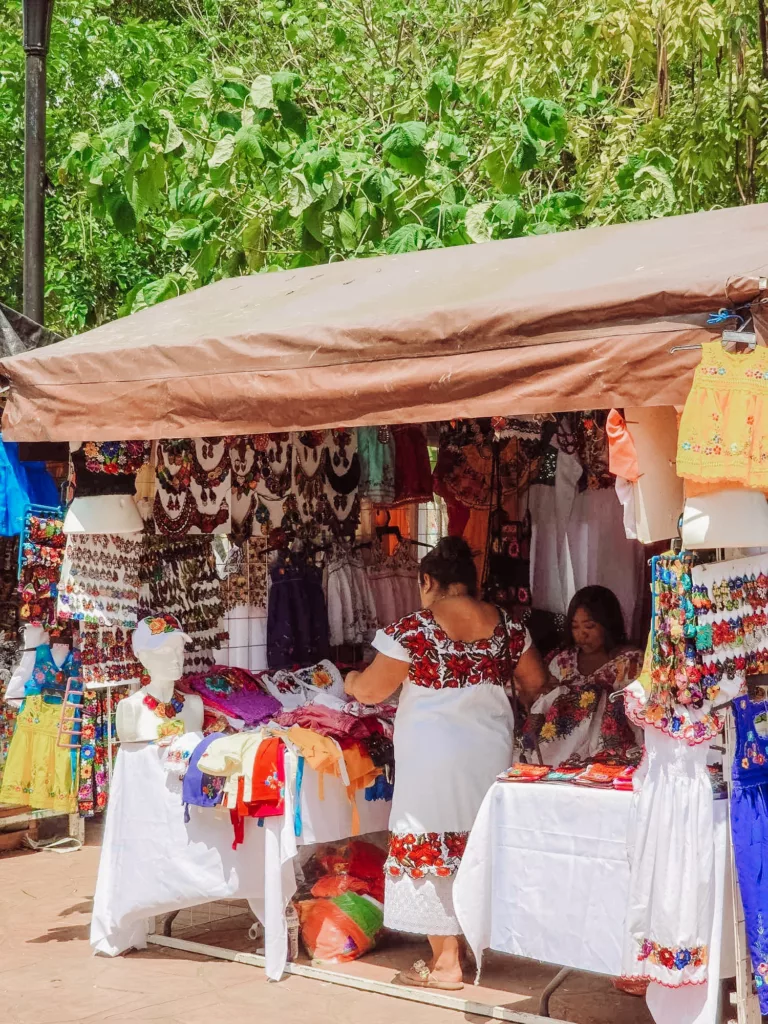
{"x": 153, "y": 631}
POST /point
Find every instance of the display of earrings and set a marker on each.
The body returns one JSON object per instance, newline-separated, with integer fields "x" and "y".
{"x": 99, "y": 582}
{"x": 180, "y": 577}
{"x": 731, "y": 601}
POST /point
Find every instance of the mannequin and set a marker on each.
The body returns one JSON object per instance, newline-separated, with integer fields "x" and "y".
{"x": 102, "y": 512}
{"x": 162, "y": 654}
{"x": 726, "y": 519}
{"x": 34, "y": 637}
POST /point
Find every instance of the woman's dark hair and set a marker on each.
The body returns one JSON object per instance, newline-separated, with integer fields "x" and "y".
{"x": 450, "y": 562}
{"x": 604, "y": 608}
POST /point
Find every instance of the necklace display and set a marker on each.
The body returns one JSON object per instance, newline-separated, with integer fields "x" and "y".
{"x": 167, "y": 711}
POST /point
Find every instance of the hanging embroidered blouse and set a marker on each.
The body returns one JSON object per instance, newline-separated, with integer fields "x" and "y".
{"x": 723, "y": 432}
{"x": 90, "y": 483}
{"x": 376, "y": 448}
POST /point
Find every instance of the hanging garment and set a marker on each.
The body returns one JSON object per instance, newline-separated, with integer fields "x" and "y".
{"x": 576, "y": 719}
{"x": 97, "y": 723}
{"x": 723, "y": 433}
{"x": 749, "y": 828}
{"x": 413, "y": 472}
{"x": 454, "y": 734}
{"x": 376, "y": 448}
{"x": 671, "y": 850}
{"x": 550, "y": 503}
{"x": 116, "y": 457}
{"x": 598, "y": 549}
{"x": 352, "y": 615}
{"x": 91, "y": 481}
{"x": 38, "y": 771}
{"x": 297, "y": 620}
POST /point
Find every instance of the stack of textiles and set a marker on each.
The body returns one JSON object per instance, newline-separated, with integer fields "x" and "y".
{"x": 233, "y": 693}
{"x": 293, "y": 689}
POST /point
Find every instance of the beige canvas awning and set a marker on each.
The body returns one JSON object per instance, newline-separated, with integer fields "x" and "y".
{"x": 577, "y": 320}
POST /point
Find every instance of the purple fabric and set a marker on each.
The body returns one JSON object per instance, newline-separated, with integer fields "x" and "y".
{"x": 252, "y": 706}
{"x": 198, "y": 788}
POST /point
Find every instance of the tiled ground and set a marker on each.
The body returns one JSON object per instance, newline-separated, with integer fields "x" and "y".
{"x": 48, "y": 976}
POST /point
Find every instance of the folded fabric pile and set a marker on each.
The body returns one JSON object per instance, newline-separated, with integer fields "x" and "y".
{"x": 232, "y": 692}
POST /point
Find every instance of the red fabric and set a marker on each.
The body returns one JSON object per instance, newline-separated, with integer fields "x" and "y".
{"x": 267, "y": 790}
{"x": 413, "y": 472}
{"x": 458, "y": 518}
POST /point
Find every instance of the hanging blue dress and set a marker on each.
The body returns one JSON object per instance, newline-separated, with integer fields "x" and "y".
{"x": 749, "y": 827}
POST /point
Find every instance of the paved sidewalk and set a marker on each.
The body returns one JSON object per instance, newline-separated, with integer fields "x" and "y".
{"x": 48, "y": 975}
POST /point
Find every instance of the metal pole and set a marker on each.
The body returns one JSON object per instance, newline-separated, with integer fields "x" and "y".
{"x": 37, "y": 21}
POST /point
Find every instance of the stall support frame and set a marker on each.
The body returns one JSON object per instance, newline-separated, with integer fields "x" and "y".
{"x": 429, "y": 997}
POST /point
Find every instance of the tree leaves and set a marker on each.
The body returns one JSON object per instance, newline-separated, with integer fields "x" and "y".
{"x": 262, "y": 95}
{"x": 187, "y": 232}
{"x": 411, "y": 238}
{"x": 223, "y": 151}
{"x": 403, "y": 147}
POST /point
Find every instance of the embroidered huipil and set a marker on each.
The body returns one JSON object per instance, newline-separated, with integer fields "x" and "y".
{"x": 723, "y": 432}
{"x": 453, "y": 735}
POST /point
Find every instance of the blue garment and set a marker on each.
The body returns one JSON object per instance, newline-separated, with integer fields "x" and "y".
{"x": 13, "y": 494}
{"x": 749, "y": 827}
{"x": 22, "y": 484}
{"x": 50, "y": 680}
{"x": 198, "y": 788}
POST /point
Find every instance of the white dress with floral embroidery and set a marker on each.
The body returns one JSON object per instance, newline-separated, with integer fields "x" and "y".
{"x": 453, "y": 735}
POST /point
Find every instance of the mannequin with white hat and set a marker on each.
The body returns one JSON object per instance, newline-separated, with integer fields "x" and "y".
{"x": 158, "y": 712}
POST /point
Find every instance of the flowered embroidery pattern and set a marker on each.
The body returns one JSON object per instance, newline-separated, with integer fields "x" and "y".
{"x": 582, "y": 699}
{"x": 440, "y": 663}
{"x": 674, "y": 958}
{"x": 426, "y": 853}
{"x": 163, "y": 624}
{"x": 721, "y": 439}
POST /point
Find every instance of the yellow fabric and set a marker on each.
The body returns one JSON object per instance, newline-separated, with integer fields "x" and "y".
{"x": 723, "y": 433}
{"x": 38, "y": 772}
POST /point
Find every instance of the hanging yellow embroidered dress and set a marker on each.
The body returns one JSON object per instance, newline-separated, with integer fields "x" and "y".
{"x": 38, "y": 772}
{"x": 723, "y": 435}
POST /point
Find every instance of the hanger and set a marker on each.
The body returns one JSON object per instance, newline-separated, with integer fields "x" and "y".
{"x": 741, "y": 336}
{"x": 389, "y": 531}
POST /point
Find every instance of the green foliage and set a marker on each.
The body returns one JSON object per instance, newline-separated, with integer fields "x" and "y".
{"x": 195, "y": 140}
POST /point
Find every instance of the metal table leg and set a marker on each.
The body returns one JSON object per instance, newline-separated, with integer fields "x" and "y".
{"x": 168, "y": 923}
{"x": 552, "y": 987}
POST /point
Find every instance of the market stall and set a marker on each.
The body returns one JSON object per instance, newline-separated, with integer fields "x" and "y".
{"x": 442, "y": 367}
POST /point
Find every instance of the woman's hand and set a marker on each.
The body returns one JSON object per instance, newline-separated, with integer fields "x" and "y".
{"x": 349, "y": 683}
{"x": 379, "y": 681}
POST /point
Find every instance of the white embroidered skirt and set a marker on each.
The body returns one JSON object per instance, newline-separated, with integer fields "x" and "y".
{"x": 421, "y": 906}
{"x": 671, "y": 848}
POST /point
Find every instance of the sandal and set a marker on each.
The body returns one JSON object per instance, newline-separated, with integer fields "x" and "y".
{"x": 419, "y": 976}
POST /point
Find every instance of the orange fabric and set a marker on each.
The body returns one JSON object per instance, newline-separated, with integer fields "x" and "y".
{"x": 476, "y": 535}
{"x": 622, "y": 457}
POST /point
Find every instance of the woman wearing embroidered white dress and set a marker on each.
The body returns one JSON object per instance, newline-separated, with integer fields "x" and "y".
{"x": 453, "y": 735}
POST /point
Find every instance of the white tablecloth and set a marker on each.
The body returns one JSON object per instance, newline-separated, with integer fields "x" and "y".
{"x": 152, "y": 862}
{"x": 546, "y": 876}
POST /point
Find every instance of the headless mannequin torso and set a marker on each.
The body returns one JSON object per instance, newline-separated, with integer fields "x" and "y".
{"x": 137, "y": 723}
{"x": 34, "y": 637}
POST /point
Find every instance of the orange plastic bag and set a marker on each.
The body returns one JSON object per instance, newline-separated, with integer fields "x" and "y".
{"x": 329, "y": 934}
{"x": 335, "y": 885}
